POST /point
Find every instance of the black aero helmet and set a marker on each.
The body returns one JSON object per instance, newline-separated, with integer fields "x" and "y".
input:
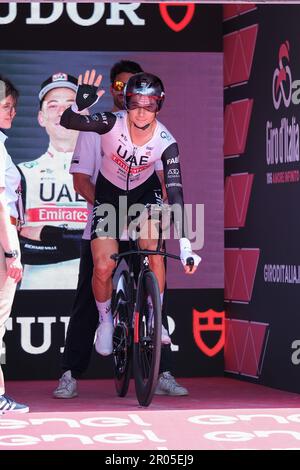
{"x": 144, "y": 84}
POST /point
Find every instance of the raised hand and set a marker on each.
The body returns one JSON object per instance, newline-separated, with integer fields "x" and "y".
{"x": 87, "y": 94}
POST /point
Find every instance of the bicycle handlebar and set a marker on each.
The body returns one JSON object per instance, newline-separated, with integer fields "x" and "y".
{"x": 117, "y": 256}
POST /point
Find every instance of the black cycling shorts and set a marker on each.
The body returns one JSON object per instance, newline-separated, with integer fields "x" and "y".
{"x": 113, "y": 206}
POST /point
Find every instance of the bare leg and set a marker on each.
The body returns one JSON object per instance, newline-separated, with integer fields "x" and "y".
{"x": 102, "y": 249}
{"x": 149, "y": 229}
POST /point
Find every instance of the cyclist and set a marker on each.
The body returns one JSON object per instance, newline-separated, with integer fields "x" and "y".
{"x": 133, "y": 142}
{"x": 84, "y": 316}
{"x": 55, "y": 214}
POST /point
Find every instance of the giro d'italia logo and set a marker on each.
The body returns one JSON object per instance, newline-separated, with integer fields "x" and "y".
{"x": 282, "y": 78}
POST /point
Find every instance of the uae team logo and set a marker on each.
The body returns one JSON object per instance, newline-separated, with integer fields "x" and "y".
{"x": 282, "y": 78}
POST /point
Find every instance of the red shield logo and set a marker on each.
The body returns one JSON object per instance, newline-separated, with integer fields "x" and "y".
{"x": 208, "y": 324}
{"x": 190, "y": 9}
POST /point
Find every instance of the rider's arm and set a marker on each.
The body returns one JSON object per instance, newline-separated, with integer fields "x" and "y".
{"x": 101, "y": 123}
{"x": 161, "y": 178}
{"x": 172, "y": 177}
{"x": 40, "y": 253}
{"x": 170, "y": 160}
{"x": 87, "y": 96}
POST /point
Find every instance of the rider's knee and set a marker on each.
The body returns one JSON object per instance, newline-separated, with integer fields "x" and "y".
{"x": 103, "y": 271}
{"x": 148, "y": 244}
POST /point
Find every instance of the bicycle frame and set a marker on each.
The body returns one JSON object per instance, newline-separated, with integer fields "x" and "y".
{"x": 143, "y": 344}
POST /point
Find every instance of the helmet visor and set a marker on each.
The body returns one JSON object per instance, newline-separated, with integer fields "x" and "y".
{"x": 134, "y": 101}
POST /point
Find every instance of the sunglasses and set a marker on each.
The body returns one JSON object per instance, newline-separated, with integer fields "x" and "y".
{"x": 118, "y": 85}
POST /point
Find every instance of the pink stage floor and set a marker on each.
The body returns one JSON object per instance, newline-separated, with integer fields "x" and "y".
{"x": 218, "y": 414}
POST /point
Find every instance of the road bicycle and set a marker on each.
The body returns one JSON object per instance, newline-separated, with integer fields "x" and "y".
{"x": 137, "y": 320}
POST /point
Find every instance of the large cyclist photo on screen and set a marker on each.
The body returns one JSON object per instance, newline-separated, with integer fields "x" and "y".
{"x": 55, "y": 214}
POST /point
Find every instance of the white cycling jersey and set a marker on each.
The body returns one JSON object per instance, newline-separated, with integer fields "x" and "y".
{"x": 127, "y": 166}
{"x": 50, "y": 199}
{"x": 120, "y": 154}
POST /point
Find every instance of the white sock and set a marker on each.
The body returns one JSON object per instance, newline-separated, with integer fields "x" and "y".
{"x": 104, "y": 309}
{"x": 161, "y": 298}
